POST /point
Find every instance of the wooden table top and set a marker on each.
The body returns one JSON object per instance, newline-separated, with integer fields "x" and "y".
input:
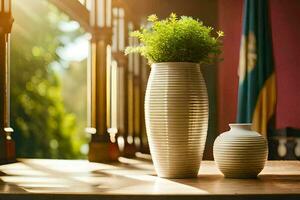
{"x": 136, "y": 179}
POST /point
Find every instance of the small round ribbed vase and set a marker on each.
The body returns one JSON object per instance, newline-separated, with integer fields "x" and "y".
{"x": 176, "y": 113}
{"x": 240, "y": 152}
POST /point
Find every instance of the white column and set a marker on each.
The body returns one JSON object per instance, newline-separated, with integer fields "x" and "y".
{"x": 114, "y": 88}
{"x": 92, "y": 13}
{"x": 108, "y": 13}
{"x": 100, "y": 13}
{"x": 121, "y": 29}
{"x": 7, "y": 6}
{"x": 115, "y": 30}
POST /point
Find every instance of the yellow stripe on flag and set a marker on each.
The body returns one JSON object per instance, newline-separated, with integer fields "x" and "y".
{"x": 265, "y": 106}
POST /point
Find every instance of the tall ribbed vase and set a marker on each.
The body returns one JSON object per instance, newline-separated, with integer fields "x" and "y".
{"x": 176, "y": 109}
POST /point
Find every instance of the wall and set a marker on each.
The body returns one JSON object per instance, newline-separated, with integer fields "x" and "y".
{"x": 205, "y": 10}
{"x": 230, "y": 20}
{"x": 285, "y": 17}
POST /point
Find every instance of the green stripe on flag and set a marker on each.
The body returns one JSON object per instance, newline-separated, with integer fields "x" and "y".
{"x": 256, "y": 59}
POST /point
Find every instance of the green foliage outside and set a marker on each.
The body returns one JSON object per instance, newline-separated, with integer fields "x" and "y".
{"x": 43, "y": 126}
{"x": 176, "y": 39}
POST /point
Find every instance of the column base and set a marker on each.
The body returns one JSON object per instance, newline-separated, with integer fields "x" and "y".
{"x": 129, "y": 150}
{"x": 103, "y": 152}
{"x": 7, "y": 145}
{"x": 145, "y": 149}
{"x": 4, "y": 162}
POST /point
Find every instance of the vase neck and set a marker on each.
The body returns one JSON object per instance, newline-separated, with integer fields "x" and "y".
{"x": 243, "y": 126}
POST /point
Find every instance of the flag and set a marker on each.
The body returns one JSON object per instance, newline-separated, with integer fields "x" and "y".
{"x": 257, "y": 83}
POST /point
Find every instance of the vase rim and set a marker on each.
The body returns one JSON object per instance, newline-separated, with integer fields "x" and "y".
{"x": 240, "y": 124}
{"x": 175, "y": 63}
{"x": 246, "y": 126}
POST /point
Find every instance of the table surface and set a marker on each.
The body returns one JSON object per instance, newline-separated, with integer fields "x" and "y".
{"x": 136, "y": 179}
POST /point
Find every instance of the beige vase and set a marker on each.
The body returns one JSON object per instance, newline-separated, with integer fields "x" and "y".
{"x": 176, "y": 112}
{"x": 240, "y": 152}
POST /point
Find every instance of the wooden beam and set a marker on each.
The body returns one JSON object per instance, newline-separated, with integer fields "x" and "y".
{"x": 7, "y": 147}
{"x": 75, "y": 10}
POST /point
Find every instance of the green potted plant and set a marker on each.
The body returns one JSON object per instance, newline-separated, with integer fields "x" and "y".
{"x": 176, "y": 103}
